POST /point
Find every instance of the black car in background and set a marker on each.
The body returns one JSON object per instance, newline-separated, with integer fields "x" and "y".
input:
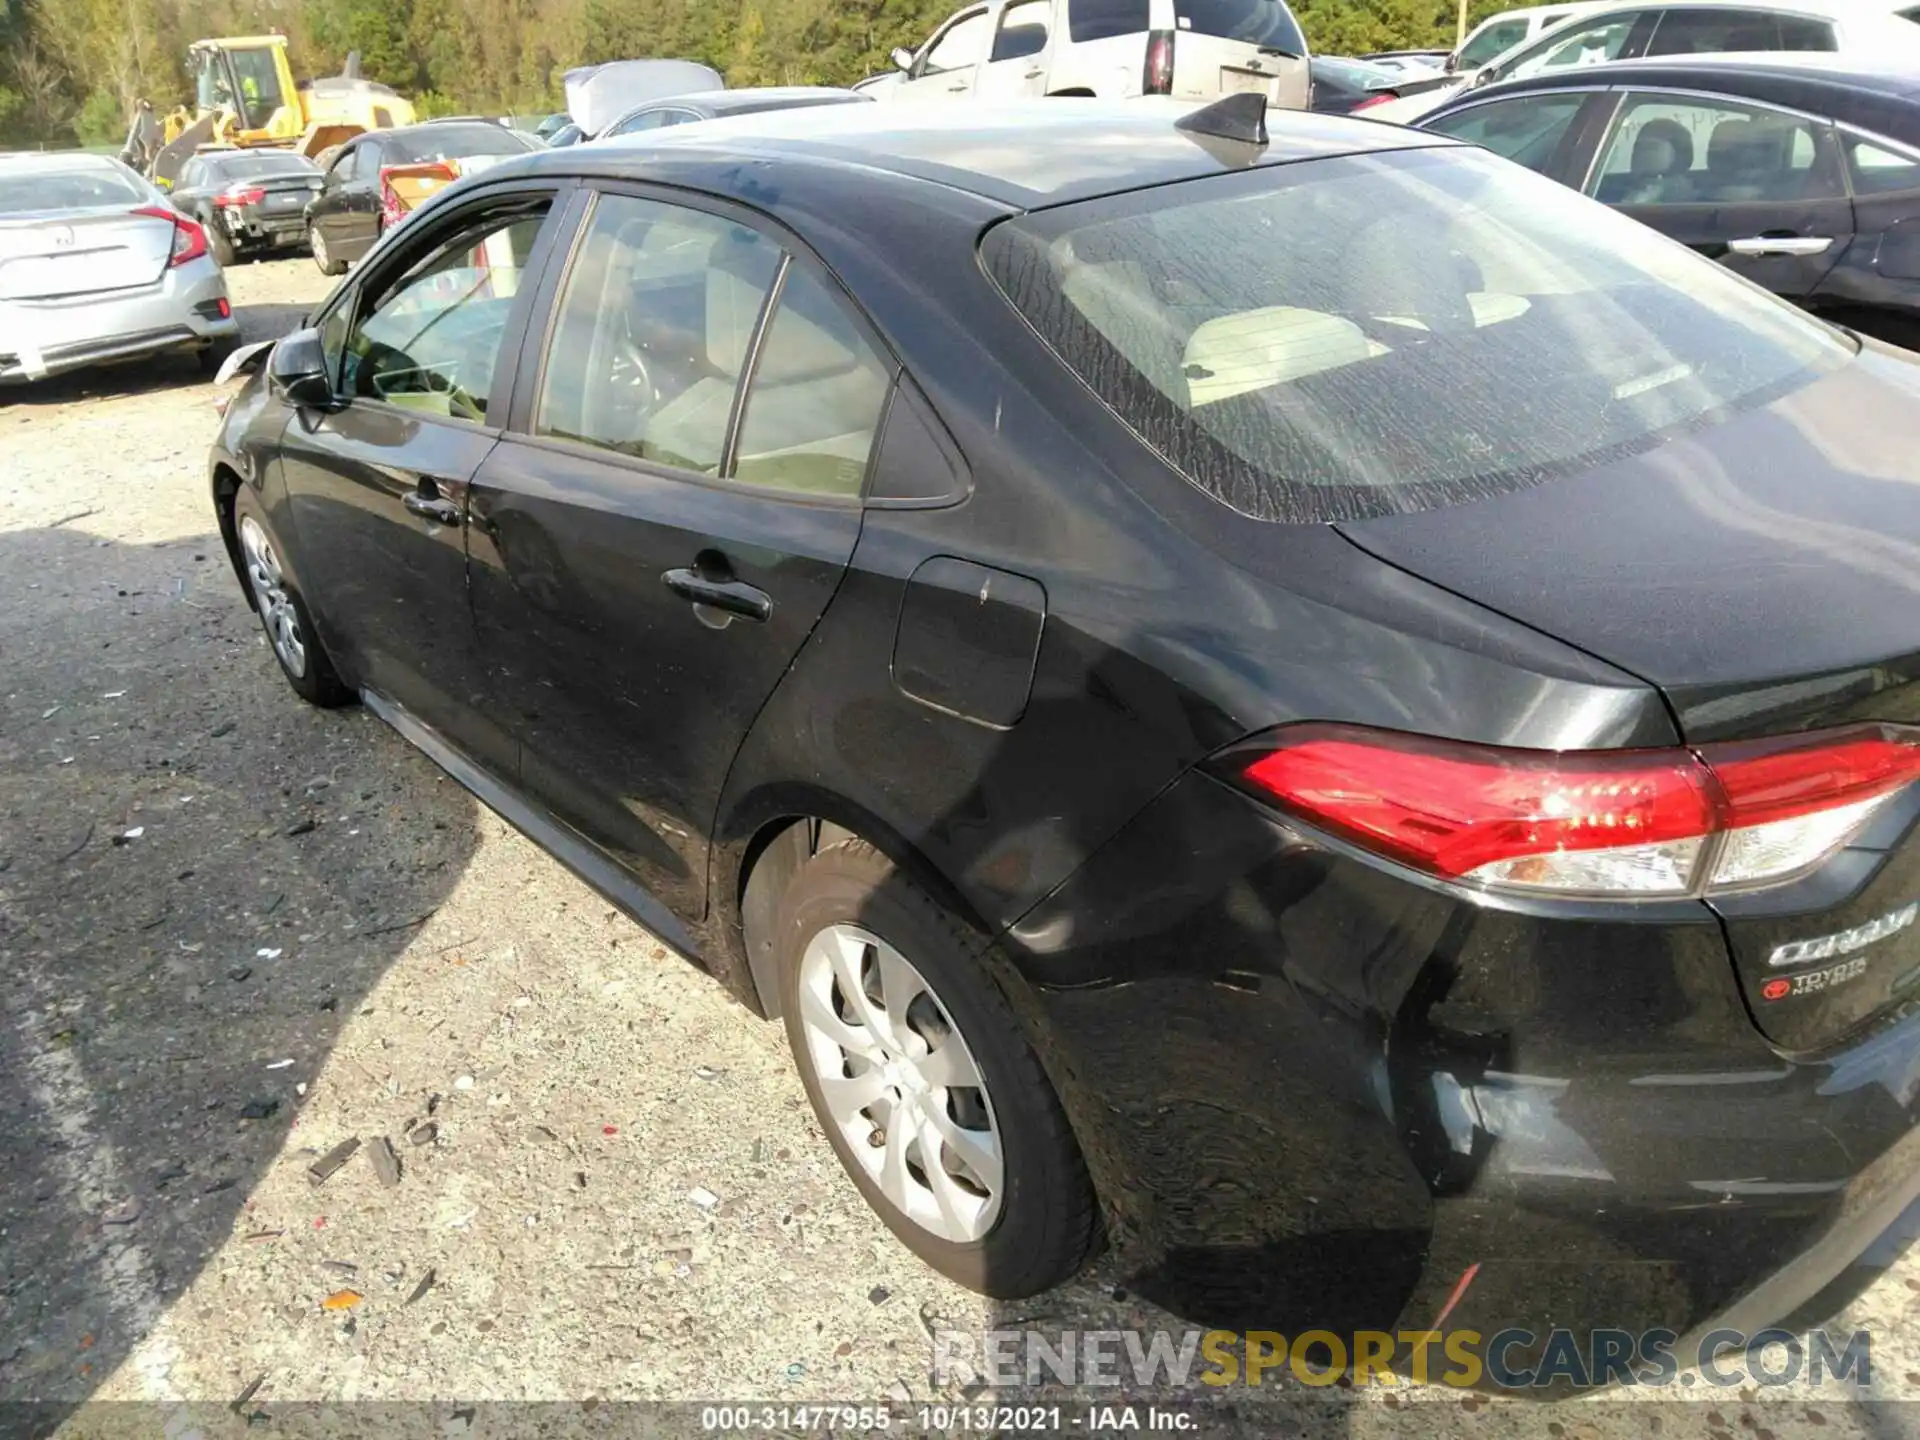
{"x": 1800, "y": 172}
{"x": 1342, "y": 86}
{"x": 353, "y": 208}
{"x": 1382, "y": 763}
{"x": 248, "y": 201}
{"x": 720, "y": 104}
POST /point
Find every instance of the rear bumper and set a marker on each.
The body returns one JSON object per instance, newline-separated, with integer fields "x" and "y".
{"x": 253, "y": 229}
{"x": 1316, "y": 1095}
{"x": 40, "y": 338}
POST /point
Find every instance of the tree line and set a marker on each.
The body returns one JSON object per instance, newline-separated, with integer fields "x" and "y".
{"x": 71, "y": 70}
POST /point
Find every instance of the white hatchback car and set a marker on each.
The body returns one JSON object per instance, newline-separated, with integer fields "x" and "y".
{"x": 1113, "y": 49}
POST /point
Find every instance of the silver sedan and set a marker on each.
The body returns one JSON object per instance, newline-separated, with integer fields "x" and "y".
{"x": 95, "y": 266}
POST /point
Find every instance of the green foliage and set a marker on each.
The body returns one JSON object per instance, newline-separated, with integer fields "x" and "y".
{"x": 102, "y": 119}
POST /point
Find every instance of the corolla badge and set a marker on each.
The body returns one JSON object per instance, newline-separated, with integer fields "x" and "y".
{"x": 1827, "y": 947}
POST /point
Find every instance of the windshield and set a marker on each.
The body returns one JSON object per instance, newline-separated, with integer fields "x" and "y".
{"x": 67, "y": 190}
{"x": 1258, "y": 22}
{"x": 1351, "y": 337}
{"x": 455, "y": 142}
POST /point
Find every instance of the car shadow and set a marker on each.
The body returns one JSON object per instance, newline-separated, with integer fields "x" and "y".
{"x": 201, "y": 880}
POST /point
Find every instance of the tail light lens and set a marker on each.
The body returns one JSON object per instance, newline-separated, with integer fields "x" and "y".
{"x": 1158, "y": 79}
{"x": 189, "y": 240}
{"x": 237, "y": 195}
{"x": 1633, "y": 823}
{"x": 1372, "y": 100}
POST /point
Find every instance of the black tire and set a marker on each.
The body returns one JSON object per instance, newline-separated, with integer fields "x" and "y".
{"x": 219, "y": 244}
{"x": 313, "y": 679}
{"x": 317, "y": 245}
{"x": 1047, "y": 1225}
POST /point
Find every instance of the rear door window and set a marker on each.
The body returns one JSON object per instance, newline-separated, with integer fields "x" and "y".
{"x": 1105, "y": 19}
{"x": 1340, "y": 338}
{"x": 1023, "y": 30}
{"x": 1526, "y": 129}
{"x": 1879, "y": 170}
{"x": 1669, "y": 150}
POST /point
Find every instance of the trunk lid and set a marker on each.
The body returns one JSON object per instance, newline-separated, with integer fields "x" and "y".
{"x": 50, "y": 254}
{"x": 1228, "y": 47}
{"x": 1764, "y": 573}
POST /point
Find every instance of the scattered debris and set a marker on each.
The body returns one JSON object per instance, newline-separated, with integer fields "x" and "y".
{"x": 898, "y": 1393}
{"x": 239, "y": 1402}
{"x": 707, "y": 1072}
{"x": 239, "y": 972}
{"x": 544, "y": 1133}
{"x": 125, "y": 1213}
{"x": 259, "y": 1109}
{"x": 259, "y": 1235}
{"x": 225, "y": 727}
{"x": 703, "y": 1197}
{"x": 397, "y": 926}
{"x": 843, "y": 1349}
{"x": 386, "y": 1164}
{"x": 280, "y": 1065}
{"x": 878, "y": 1295}
{"x": 114, "y": 695}
{"x": 580, "y": 1179}
{"x": 217, "y": 1186}
{"x": 609, "y": 1129}
{"x": 463, "y": 1082}
{"x": 127, "y": 837}
{"x": 342, "y": 1300}
{"x": 330, "y": 1004}
{"x": 424, "y": 1134}
{"x": 426, "y": 1284}
{"x": 340, "y": 1267}
{"x": 796, "y": 1370}
{"x": 759, "y": 1151}
{"x": 322, "y": 1169}
{"x": 266, "y": 954}
{"x": 81, "y": 843}
{"x": 301, "y": 827}
{"x": 49, "y": 714}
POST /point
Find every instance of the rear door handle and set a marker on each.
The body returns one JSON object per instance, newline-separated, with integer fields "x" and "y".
{"x": 1781, "y": 245}
{"x": 734, "y": 597}
{"x": 436, "y": 508}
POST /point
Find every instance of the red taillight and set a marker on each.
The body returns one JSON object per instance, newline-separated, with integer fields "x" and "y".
{"x": 1158, "y": 79}
{"x": 1626, "y": 822}
{"x": 189, "y": 240}
{"x": 1373, "y": 100}
{"x": 240, "y": 195}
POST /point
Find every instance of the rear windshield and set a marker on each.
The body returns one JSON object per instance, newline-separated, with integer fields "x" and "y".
{"x": 455, "y": 142}
{"x": 67, "y": 190}
{"x": 1258, "y": 22}
{"x": 235, "y": 166}
{"x": 1351, "y": 337}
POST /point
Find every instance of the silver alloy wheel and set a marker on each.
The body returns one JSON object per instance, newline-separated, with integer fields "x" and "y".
{"x": 271, "y": 598}
{"x": 900, "y": 1083}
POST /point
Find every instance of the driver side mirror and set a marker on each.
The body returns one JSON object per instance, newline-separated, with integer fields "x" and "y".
{"x": 1483, "y": 76}
{"x": 902, "y": 58}
{"x": 297, "y": 370}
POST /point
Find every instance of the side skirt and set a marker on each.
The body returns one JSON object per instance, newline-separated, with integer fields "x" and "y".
{"x": 608, "y": 879}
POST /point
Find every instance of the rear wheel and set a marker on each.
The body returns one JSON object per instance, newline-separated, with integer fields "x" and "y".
{"x": 317, "y": 243}
{"x": 219, "y": 244}
{"x": 283, "y": 614}
{"x": 917, "y": 1071}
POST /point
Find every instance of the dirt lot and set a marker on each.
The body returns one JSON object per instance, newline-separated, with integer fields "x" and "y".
{"x": 236, "y": 930}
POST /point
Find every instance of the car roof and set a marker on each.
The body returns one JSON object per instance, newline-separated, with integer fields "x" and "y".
{"x": 1527, "y": 12}
{"x": 723, "y": 102}
{"x": 64, "y": 162}
{"x": 1022, "y": 156}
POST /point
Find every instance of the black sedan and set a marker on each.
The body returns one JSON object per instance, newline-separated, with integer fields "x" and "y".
{"x": 721, "y": 104}
{"x": 1341, "y": 86}
{"x": 1800, "y": 172}
{"x": 357, "y": 204}
{"x": 1379, "y": 763}
{"x": 248, "y": 201}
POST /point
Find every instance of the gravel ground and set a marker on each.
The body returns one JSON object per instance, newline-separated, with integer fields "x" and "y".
{"x": 236, "y": 931}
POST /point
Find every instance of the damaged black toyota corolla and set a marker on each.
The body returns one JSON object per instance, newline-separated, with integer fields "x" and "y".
{"x": 1318, "y": 704}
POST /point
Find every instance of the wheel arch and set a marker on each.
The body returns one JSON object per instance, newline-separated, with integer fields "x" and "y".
{"x": 226, "y": 490}
{"x": 775, "y": 833}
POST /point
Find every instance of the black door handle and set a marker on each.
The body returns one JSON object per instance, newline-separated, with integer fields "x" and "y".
{"x": 434, "y": 507}
{"x": 735, "y": 597}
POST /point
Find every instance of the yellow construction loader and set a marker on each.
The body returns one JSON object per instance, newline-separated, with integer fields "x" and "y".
{"x": 244, "y": 95}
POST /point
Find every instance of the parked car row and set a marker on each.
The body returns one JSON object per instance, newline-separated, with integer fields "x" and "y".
{"x": 1061, "y": 652}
